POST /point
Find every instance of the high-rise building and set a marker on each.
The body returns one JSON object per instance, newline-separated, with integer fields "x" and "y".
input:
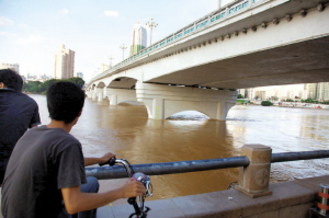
{"x": 14, "y": 67}
{"x": 80, "y": 75}
{"x": 318, "y": 91}
{"x": 139, "y": 39}
{"x": 64, "y": 63}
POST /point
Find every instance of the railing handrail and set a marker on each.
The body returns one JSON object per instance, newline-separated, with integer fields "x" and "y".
{"x": 301, "y": 155}
{"x": 116, "y": 172}
{"x": 217, "y": 16}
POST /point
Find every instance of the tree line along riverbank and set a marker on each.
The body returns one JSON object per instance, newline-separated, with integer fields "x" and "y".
{"x": 41, "y": 87}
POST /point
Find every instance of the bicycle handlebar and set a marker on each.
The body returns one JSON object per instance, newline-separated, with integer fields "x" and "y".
{"x": 140, "y": 177}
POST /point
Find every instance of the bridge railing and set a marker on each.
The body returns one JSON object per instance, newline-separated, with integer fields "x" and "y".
{"x": 254, "y": 166}
{"x": 209, "y": 20}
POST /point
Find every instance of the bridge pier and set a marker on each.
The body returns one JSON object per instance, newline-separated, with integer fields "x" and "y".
{"x": 163, "y": 101}
{"x": 97, "y": 94}
{"x": 94, "y": 96}
{"x": 117, "y": 96}
{"x": 100, "y": 96}
{"x": 89, "y": 93}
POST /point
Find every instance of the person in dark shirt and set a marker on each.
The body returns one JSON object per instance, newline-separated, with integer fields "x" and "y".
{"x": 47, "y": 165}
{"x": 18, "y": 112}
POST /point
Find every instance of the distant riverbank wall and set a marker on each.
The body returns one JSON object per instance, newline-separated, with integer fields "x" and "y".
{"x": 288, "y": 104}
{"x": 303, "y": 105}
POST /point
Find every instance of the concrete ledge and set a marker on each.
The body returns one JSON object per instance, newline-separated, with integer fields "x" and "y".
{"x": 289, "y": 199}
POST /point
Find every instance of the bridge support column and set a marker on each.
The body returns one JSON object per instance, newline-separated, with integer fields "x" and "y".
{"x": 88, "y": 93}
{"x": 97, "y": 94}
{"x": 163, "y": 101}
{"x": 254, "y": 179}
{"x": 100, "y": 96}
{"x": 117, "y": 96}
{"x": 94, "y": 96}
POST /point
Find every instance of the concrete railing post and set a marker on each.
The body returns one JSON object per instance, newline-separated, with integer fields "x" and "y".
{"x": 254, "y": 179}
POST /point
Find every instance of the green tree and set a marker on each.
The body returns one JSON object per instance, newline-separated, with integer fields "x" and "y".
{"x": 266, "y": 103}
{"x": 309, "y": 100}
{"x": 48, "y": 83}
{"x": 32, "y": 86}
{"x": 76, "y": 80}
{"x": 240, "y": 96}
{"x": 36, "y": 86}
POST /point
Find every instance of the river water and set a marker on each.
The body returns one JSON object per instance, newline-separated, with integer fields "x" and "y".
{"x": 126, "y": 130}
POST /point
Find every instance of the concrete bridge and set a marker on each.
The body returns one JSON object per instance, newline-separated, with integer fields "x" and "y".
{"x": 246, "y": 44}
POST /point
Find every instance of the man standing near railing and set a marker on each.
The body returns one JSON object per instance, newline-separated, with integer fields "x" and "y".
{"x": 18, "y": 112}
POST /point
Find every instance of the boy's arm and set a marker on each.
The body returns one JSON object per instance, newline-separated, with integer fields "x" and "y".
{"x": 77, "y": 201}
{"x": 96, "y": 160}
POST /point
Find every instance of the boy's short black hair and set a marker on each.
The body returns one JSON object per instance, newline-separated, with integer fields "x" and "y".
{"x": 11, "y": 79}
{"x": 65, "y": 101}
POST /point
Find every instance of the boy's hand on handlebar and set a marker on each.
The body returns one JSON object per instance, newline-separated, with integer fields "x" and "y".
{"x": 106, "y": 157}
{"x": 133, "y": 189}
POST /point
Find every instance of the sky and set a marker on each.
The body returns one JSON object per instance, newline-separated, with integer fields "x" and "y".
{"x": 31, "y": 31}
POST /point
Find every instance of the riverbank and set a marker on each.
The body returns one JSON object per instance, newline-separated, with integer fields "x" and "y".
{"x": 290, "y": 104}
{"x": 303, "y": 105}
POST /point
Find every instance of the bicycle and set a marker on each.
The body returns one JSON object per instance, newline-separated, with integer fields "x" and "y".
{"x": 140, "y": 209}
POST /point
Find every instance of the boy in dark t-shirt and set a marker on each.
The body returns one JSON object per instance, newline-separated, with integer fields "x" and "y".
{"x": 47, "y": 165}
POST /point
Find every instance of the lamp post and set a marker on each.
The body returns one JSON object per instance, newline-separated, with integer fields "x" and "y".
{"x": 111, "y": 58}
{"x": 123, "y": 47}
{"x": 151, "y": 24}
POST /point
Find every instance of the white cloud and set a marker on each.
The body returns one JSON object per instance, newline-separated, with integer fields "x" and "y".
{"x": 23, "y": 25}
{"x": 30, "y": 39}
{"x": 64, "y": 11}
{"x": 4, "y": 21}
{"x": 4, "y": 33}
{"x": 111, "y": 13}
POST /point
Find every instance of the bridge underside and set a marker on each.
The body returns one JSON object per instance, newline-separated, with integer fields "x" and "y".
{"x": 306, "y": 62}
{"x": 272, "y": 42}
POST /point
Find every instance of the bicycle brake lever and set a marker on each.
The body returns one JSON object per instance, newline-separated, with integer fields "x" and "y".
{"x": 110, "y": 162}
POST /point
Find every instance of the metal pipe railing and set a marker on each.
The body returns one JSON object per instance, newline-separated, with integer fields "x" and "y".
{"x": 302, "y": 155}
{"x": 116, "y": 172}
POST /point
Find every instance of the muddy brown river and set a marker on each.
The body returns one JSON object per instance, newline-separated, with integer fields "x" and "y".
{"x": 126, "y": 130}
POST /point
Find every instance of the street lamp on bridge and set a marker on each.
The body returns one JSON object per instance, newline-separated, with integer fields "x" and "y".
{"x": 151, "y": 24}
{"x": 111, "y": 58}
{"x": 123, "y": 47}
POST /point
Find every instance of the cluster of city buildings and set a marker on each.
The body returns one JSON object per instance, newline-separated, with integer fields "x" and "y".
{"x": 64, "y": 67}
{"x": 315, "y": 91}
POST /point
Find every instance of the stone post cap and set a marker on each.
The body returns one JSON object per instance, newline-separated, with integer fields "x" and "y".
{"x": 257, "y": 153}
